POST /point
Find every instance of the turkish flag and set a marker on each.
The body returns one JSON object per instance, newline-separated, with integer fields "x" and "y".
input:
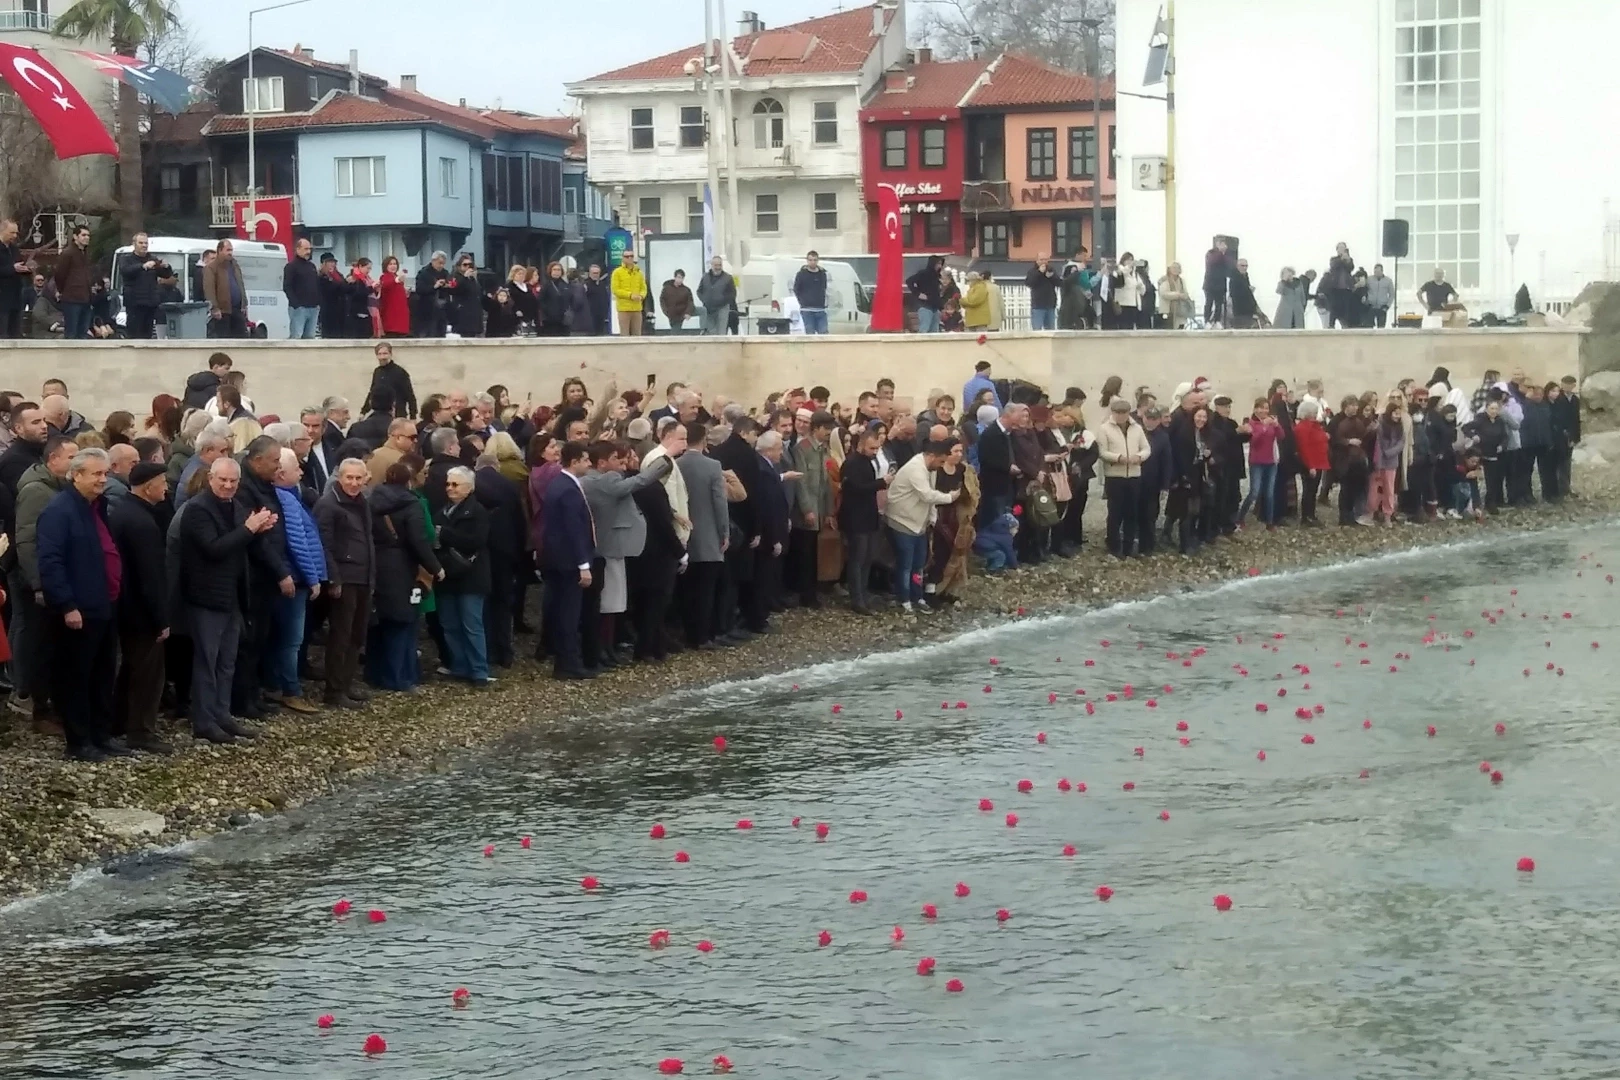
{"x": 888, "y": 303}
{"x": 272, "y": 221}
{"x": 63, "y": 114}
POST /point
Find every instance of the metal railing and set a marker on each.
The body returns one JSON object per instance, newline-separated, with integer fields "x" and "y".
{"x": 573, "y": 228}
{"x": 26, "y": 20}
{"x": 224, "y": 209}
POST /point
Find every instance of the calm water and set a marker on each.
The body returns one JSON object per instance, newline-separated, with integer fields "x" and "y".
{"x": 1380, "y": 928}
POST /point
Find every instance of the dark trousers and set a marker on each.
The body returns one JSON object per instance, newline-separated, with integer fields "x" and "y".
{"x": 1307, "y": 502}
{"x": 1070, "y": 533}
{"x": 1496, "y": 479}
{"x": 177, "y": 661}
{"x": 247, "y": 688}
{"x": 1546, "y": 463}
{"x": 800, "y": 570}
{"x": 1147, "y": 520}
{"x": 858, "y": 565}
{"x": 27, "y": 640}
{"x": 1123, "y": 493}
{"x": 1215, "y": 305}
{"x": 1352, "y": 487}
{"x": 391, "y": 662}
{"x": 700, "y": 589}
{"x": 754, "y": 595}
{"x": 563, "y": 602}
{"x": 1518, "y": 477}
{"x": 347, "y": 621}
{"x": 592, "y": 649}
{"x": 214, "y": 639}
{"x": 1420, "y": 493}
{"x": 1380, "y": 317}
{"x": 1223, "y": 511}
{"x": 141, "y": 318}
{"x": 82, "y": 666}
{"x": 231, "y": 324}
{"x": 652, "y": 585}
{"x": 11, "y": 322}
{"x": 725, "y": 596}
{"x": 140, "y": 685}
{"x": 498, "y": 612}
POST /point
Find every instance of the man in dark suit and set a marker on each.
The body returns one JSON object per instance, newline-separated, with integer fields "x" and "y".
{"x": 143, "y": 608}
{"x": 773, "y": 526}
{"x": 336, "y": 410}
{"x": 706, "y": 547}
{"x": 373, "y": 430}
{"x": 997, "y": 487}
{"x": 565, "y": 561}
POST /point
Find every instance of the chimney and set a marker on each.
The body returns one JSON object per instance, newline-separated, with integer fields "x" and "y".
{"x": 463, "y": 103}
{"x": 878, "y": 22}
{"x": 408, "y": 82}
{"x": 924, "y": 56}
{"x": 749, "y": 23}
{"x": 895, "y": 81}
{"x": 975, "y": 46}
{"x": 354, "y": 71}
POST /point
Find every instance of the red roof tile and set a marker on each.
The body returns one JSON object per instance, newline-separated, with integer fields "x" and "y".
{"x": 340, "y": 110}
{"x": 934, "y": 85}
{"x": 832, "y": 43}
{"x": 1019, "y": 80}
{"x": 455, "y": 116}
{"x": 322, "y": 65}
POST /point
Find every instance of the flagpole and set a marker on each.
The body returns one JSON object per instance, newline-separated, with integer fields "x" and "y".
{"x": 1170, "y": 133}
{"x": 719, "y": 234}
{"x": 252, "y": 108}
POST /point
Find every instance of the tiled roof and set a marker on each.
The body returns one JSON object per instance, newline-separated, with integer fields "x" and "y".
{"x": 456, "y": 116}
{"x": 830, "y": 44}
{"x": 339, "y": 110}
{"x": 563, "y": 127}
{"x": 327, "y": 66}
{"x": 934, "y": 85}
{"x": 1018, "y": 80}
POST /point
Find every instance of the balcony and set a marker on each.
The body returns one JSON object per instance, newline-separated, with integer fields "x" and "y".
{"x": 224, "y": 210}
{"x": 986, "y": 196}
{"x": 772, "y": 162}
{"x": 26, "y": 20}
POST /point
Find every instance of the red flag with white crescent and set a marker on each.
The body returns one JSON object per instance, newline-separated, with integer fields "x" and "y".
{"x": 271, "y": 221}
{"x": 888, "y": 303}
{"x": 63, "y": 114}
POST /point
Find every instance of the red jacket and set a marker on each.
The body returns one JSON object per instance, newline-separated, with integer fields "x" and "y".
{"x": 1311, "y": 443}
{"x": 394, "y": 306}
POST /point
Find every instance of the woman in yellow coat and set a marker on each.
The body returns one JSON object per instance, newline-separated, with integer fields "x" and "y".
{"x": 976, "y": 305}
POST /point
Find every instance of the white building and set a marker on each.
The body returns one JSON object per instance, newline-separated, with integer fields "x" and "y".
{"x": 1300, "y": 125}
{"x": 796, "y": 146}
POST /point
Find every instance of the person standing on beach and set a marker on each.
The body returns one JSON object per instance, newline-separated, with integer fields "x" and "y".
{"x": 565, "y": 557}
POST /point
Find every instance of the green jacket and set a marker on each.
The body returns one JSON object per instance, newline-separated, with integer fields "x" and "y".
{"x": 34, "y": 491}
{"x": 815, "y": 487}
{"x": 180, "y": 452}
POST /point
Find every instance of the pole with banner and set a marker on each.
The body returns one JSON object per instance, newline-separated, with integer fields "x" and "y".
{"x": 888, "y": 303}
{"x": 267, "y": 220}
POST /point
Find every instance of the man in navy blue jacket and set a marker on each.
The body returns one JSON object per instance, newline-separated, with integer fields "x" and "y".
{"x": 1158, "y": 474}
{"x": 810, "y": 290}
{"x": 565, "y": 561}
{"x": 80, "y": 573}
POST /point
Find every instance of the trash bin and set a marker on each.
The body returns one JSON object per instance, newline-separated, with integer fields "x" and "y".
{"x": 185, "y": 319}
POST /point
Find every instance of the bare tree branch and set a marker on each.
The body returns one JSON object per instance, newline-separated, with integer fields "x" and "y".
{"x": 1048, "y": 30}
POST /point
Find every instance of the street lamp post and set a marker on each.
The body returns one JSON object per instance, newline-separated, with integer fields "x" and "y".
{"x": 1093, "y": 63}
{"x": 252, "y": 107}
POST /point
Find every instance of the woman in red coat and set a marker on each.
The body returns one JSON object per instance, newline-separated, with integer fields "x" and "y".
{"x": 1311, "y": 446}
{"x": 393, "y": 301}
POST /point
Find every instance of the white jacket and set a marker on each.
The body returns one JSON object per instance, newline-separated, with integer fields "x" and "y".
{"x": 1115, "y": 445}
{"x": 913, "y": 497}
{"x": 675, "y": 487}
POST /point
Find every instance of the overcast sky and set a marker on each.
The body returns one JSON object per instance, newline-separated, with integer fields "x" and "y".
{"x": 521, "y": 53}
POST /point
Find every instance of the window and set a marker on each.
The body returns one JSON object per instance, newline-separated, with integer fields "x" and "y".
{"x": 894, "y": 148}
{"x": 933, "y": 147}
{"x": 1066, "y": 237}
{"x": 545, "y": 185}
{"x": 169, "y": 183}
{"x": 1082, "y": 153}
{"x": 992, "y": 241}
{"x": 766, "y": 218}
{"x": 1438, "y": 92}
{"x": 1112, "y": 142}
{"x": 825, "y": 218}
{"x": 691, "y": 127}
{"x": 262, "y": 94}
{"x": 1042, "y": 153}
{"x": 826, "y": 125}
{"x": 447, "y": 177}
{"x": 650, "y": 214}
{"x": 694, "y": 215}
{"x": 570, "y": 201}
{"x": 513, "y": 188}
{"x": 314, "y": 89}
{"x": 937, "y": 229}
{"x": 770, "y": 124}
{"x": 641, "y": 129}
{"x": 361, "y": 176}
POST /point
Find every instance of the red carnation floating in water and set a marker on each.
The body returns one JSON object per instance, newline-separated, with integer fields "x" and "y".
{"x": 1223, "y": 902}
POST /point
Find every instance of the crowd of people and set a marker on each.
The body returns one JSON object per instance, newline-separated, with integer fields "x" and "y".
{"x": 189, "y": 563}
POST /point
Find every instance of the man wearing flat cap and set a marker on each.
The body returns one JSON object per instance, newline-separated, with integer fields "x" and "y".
{"x": 143, "y": 608}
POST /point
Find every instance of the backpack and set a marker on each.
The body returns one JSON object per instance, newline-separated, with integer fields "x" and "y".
{"x": 1042, "y": 508}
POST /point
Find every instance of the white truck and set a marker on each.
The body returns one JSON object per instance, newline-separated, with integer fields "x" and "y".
{"x": 262, "y": 265}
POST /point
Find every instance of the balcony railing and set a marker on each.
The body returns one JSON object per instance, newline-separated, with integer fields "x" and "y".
{"x": 26, "y": 20}
{"x": 986, "y": 196}
{"x": 224, "y": 209}
{"x": 573, "y": 228}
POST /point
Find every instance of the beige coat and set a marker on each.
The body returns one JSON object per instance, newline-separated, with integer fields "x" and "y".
{"x": 1114, "y": 445}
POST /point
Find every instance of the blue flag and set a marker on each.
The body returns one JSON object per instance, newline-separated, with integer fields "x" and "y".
{"x": 168, "y": 90}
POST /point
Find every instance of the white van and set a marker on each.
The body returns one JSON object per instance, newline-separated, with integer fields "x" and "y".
{"x": 262, "y": 265}
{"x": 765, "y": 296}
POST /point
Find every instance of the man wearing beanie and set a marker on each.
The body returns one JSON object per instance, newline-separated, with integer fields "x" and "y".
{"x": 143, "y": 608}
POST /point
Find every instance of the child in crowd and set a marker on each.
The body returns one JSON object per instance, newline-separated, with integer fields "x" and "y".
{"x": 1470, "y": 473}
{"x": 995, "y": 544}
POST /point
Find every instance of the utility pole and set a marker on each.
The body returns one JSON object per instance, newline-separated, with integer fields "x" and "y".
{"x": 733, "y": 229}
{"x": 716, "y": 128}
{"x": 1097, "y": 134}
{"x": 1170, "y": 134}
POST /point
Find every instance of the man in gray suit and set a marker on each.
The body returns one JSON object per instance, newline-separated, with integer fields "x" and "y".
{"x": 706, "y": 548}
{"x": 620, "y": 533}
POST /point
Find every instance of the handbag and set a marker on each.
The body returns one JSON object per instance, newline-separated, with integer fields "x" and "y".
{"x": 1061, "y": 491}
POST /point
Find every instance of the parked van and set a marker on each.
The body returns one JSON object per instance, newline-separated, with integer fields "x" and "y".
{"x": 262, "y": 265}
{"x": 765, "y": 296}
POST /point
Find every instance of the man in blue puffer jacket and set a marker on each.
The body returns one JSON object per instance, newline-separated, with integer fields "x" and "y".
{"x": 307, "y": 561}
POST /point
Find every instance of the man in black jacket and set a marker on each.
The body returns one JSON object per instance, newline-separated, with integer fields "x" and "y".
{"x": 737, "y": 454}
{"x": 373, "y": 428}
{"x": 268, "y": 574}
{"x": 143, "y": 609}
{"x": 203, "y": 387}
{"x": 443, "y": 446}
{"x": 14, "y": 273}
{"x": 773, "y": 523}
{"x": 858, "y": 521}
{"x": 388, "y": 375}
{"x": 431, "y": 296}
{"x": 215, "y": 533}
{"x": 926, "y": 288}
{"x": 996, "y": 484}
{"x": 301, "y": 284}
{"x": 1043, "y": 283}
{"x": 140, "y": 271}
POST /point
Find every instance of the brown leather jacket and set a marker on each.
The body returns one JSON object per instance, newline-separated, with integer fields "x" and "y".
{"x": 217, "y": 288}
{"x": 74, "y": 273}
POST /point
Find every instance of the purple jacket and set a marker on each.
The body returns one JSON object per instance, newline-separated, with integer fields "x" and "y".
{"x": 539, "y": 480}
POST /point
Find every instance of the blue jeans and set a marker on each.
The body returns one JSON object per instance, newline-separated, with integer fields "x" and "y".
{"x": 1262, "y": 482}
{"x": 910, "y": 557}
{"x": 301, "y": 322}
{"x": 1043, "y": 318}
{"x": 75, "y": 321}
{"x": 815, "y": 322}
{"x": 462, "y": 616}
{"x": 927, "y": 321}
{"x": 286, "y": 636}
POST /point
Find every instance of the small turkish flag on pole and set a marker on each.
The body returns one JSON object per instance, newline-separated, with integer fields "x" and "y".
{"x": 63, "y": 114}
{"x": 271, "y": 221}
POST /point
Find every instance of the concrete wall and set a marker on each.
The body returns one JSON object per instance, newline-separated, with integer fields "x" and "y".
{"x": 283, "y": 376}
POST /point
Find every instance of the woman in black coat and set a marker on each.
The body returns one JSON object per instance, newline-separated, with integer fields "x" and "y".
{"x": 404, "y": 547}
{"x": 508, "y": 532}
{"x": 464, "y": 553}
{"x": 555, "y": 303}
{"x": 466, "y": 303}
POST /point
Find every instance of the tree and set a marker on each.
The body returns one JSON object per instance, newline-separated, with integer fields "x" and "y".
{"x": 128, "y": 25}
{"x": 1048, "y": 30}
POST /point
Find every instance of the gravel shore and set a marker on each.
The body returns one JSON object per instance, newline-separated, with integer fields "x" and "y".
{"x": 48, "y": 831}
